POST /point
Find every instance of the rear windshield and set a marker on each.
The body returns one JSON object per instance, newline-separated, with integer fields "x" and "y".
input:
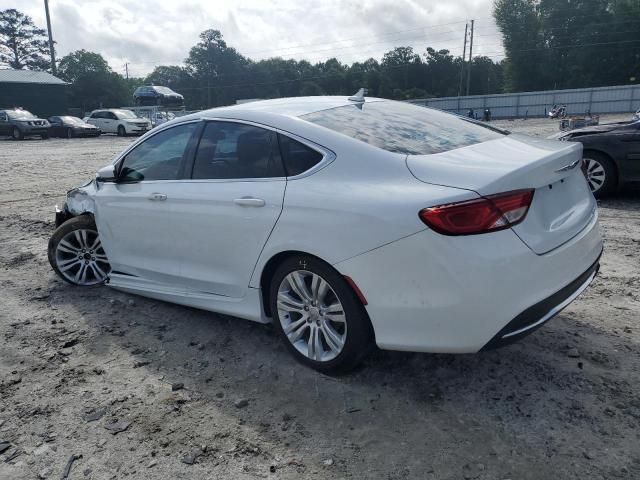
{"x": 403, "y": 128}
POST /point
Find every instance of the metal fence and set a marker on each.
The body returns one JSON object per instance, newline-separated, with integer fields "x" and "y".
{"x": 619, "y": 99}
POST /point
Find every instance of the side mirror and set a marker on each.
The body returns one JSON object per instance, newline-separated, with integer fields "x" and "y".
{"x": 107, "y": 174}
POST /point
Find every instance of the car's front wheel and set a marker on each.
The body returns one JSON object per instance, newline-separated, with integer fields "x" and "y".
{"x": 17, "y": 134}
{"x": 76, "y": 253}
{"x": 121, "y": 131}
{"x": 601, "y": 173}
{"x": 69, "y": 133}
{"x": 318, "y": 315}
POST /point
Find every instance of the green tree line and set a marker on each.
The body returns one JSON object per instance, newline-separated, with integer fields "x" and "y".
{"x": 548, "y": 44}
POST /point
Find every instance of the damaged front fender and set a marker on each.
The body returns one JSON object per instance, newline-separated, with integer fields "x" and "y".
{"x": 79, "y": 202}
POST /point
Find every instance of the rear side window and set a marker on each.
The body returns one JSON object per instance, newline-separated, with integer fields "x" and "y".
{"x": 403, "y": 128}
{"x": 230, "y": 150}
{"x": 297, "y": 157}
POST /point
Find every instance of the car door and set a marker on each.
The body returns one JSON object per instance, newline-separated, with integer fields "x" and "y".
{"x": 5, "y": 126}
{"x": 133, "y": 214}
{"x": 225, "y": 213}
{"x": 630, "y": 141}
{"x": 96, "y": 119}
{"x": 56, "y": 126}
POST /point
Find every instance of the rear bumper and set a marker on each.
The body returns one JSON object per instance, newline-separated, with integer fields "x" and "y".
{"x": 431, "y": 293}
{"x": 540, "y": 313}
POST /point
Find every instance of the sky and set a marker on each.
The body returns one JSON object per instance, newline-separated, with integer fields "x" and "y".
{"x": 145, "y": 33}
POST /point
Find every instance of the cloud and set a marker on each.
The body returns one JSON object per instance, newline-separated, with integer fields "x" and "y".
{"x": 148, "y": 33}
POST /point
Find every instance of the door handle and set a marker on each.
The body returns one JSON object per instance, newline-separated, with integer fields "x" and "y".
{"x": 157, "y": 196}
{"x": 249, "y": 202}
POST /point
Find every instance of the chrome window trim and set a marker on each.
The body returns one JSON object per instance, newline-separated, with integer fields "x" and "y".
{"x": 328, "y": 156}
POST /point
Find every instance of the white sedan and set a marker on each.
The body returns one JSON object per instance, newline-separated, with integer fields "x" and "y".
{"x": 347, "y": 222}
{"x": 120, "y": 121}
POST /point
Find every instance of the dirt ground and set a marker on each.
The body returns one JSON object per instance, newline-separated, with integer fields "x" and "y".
{"x": 135, "y": 388}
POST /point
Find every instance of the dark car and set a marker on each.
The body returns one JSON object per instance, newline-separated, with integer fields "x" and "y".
{"x": 156, "y": 95}
{"x": 21, "y": 123}
{"x": 69, "y": 127}
{"x": 611, "y": 154}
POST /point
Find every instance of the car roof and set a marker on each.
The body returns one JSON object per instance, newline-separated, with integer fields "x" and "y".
{"x": 291, "y": 106}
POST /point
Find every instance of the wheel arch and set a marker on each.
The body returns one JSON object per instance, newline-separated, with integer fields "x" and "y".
{"x": 271, "y": 265}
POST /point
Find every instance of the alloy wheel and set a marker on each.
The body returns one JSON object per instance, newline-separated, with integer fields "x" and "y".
{"x": 312, "y": 316}
{"x": 596, "y": 175}
{"x": 81, "y": 259}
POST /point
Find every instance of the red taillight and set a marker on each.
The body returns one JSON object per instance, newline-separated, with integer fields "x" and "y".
{"x": 486, "y": 214}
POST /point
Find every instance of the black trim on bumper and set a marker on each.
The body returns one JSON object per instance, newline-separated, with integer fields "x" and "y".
{"x": 62, "y": 215}
{"x": 530, "y": 320}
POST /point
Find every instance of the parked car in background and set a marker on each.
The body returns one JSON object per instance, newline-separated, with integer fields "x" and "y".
{"x": 347, "y": 222}
{"x": 611, "y": 154}
{"x": 636, "y": 116}
{"x": 159, "y": 118}
{"x": 119, "y": 121}
{"x": 19, "y": 124}
{"x": 68, "y": 127}
{"x": 156, "y": 95}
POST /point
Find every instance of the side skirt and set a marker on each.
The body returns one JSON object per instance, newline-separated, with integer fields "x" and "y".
{"x": 249, "y": 307}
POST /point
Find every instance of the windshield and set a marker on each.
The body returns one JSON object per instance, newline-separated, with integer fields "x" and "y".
{"x": 20, "y": 115}
{"x": 403, "y": 128}
{"x": 125, "y": 114}
{"x": 74, "y": 120}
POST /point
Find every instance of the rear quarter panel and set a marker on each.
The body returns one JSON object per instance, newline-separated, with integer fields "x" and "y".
{"x": 364, "y": 199}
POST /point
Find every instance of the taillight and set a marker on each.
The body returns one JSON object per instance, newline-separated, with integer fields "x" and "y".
{"x": 486, "y": 214}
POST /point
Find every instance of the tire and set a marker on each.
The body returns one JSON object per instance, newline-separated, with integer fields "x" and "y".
{"x": 69, "y": 133}
{"x": 342, "y": 328}
{"x": 122, "y": 132}
{"x": 17, "y": 134}
{"x": 602, "y": 176}
{"x": 76, "y": 254}
{"x": 44, "y": 136}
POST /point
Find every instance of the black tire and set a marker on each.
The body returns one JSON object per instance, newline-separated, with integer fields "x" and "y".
{"x": 69, "y": 133}
{"x": 359, "y": 333}
{"x": 17, "y": 134}
{"x": 44, "y": 136}
{"x": 58, "y": 260}
{"x": 600, "y": 188}
{"x": 138, "y": 102}
{"x": 122, "y": 132}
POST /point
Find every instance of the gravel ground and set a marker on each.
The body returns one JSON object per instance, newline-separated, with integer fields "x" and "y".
{"x": 123, "y": 386}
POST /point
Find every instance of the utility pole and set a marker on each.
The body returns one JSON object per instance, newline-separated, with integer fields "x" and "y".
{"x": 51, "y": 50}
{"x": 126, "y": 70}
{"x": 470, "y": 57}
{"x": 464, "y": 54}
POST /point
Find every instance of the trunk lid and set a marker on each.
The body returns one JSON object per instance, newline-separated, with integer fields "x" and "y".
{"x": 562, "y": 203}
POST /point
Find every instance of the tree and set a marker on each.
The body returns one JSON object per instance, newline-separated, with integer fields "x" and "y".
{"x": 22, "y": 44}
{"x": 93, "y": 83}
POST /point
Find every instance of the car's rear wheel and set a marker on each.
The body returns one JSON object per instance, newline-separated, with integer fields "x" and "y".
{"x": 69, "y": 133}
{"x": 601, "y": 173}
{"x": 76, "y": 253}
{"x": 121, "y": 131}
{"x": 318, "y": 316}
{"x": 17, "y": 134}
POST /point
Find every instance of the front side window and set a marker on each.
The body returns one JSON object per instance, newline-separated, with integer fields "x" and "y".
{"x": 297, "y": 157}
{"x": 122, "y": 114}
{"x": 159, "y": 157}
{"x": 403, "y": 128}
{"x": 234, "y": 151}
